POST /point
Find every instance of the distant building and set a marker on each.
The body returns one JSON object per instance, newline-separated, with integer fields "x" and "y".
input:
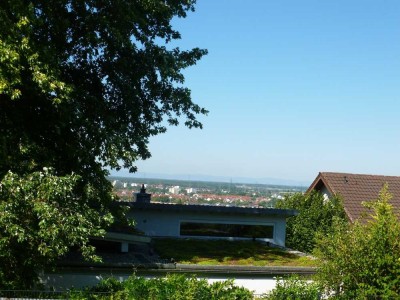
{"x": 191, "y": 190}
{"x": 174, "y": 190}
{"x": 355, "y": 189}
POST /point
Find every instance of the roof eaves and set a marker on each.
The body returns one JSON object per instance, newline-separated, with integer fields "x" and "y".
{"x": 321, "y": 177}
{"x": 314, "y": 183}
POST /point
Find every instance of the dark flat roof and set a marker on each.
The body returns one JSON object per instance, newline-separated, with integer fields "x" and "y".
{"x": 213, "y": 209}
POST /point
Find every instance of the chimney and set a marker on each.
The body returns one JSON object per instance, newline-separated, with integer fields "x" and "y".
{"x": 142, "y": 197}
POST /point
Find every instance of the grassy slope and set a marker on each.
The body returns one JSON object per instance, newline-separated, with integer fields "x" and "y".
{"x": 220, "y": 252}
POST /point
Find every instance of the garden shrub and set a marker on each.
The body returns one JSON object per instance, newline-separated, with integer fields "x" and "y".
{"x": 294, "y": 288}
{"x": 172, "y": 286}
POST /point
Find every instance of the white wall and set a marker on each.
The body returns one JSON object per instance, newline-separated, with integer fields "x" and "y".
{"x": 324, "y": 191}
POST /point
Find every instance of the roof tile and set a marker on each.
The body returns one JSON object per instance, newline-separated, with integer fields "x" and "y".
{"x": 357, "y": 188}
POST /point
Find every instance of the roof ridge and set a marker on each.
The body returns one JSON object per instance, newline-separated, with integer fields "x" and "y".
{"x": 358, "y": 174}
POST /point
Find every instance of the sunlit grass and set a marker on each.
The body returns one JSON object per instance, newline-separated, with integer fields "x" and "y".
{"x": 222, "y": 252}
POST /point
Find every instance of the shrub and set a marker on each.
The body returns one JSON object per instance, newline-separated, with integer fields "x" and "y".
{"x": 362, "y": 260}
{"x": 294, "y": 288}
{"x": 226, "y": 290}
{"x": 316, "y": 215}
{"x": 172, "y": 286}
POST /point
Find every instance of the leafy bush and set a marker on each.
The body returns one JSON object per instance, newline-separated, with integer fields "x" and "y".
{"x": 316, "y": 215}
{"x": 362, "y": 260}
{"x": 42, "y": 215}
{"x": 226, "y": 290}
{"x": 294, "y": 288}
{"x": 109, "y": 285}
{"x": 177, "y": 287}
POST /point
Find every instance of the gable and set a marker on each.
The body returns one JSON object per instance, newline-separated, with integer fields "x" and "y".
{"x": 357, "y": 188}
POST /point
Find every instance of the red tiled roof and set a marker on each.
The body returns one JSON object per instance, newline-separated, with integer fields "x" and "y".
{"x": 356, "y": 188}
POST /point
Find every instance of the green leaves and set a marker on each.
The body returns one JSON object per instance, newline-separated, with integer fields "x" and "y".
{"x": 172, "y": 286}
{"x": 42, "y": 216}
{"x": 316, "y": 215}
{"x": 83, "y": 85}
{"x": 97, "y": 73}
{"x": 294, "y": 288}
{"x": 362, "y": 260}
{"x": 18, "y": 57}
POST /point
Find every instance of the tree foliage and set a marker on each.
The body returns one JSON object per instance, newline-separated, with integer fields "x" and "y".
{"x": 83, "y": 85}
{"x": 316, "y": 214}
{"x": 362, "y": 260}
{"x": 42, "y": 215}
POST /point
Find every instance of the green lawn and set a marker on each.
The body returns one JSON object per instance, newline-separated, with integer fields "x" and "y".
{"x": 221, "y": 252}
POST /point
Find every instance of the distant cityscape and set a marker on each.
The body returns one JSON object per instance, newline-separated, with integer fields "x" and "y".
{"x": 203, "y": 192}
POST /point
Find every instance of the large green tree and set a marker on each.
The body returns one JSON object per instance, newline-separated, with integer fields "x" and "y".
{"x": 83, "y": 85}
{"x": 362, "y": 260}
{"x": 316, "y": 214}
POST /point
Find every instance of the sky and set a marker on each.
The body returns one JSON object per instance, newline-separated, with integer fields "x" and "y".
{"x": 292, "y": 88}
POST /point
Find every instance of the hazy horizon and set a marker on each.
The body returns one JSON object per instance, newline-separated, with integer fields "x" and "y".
{"x": 211, "y": 178}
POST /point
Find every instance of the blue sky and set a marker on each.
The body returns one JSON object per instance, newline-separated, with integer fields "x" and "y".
{"x": 293, "y": 88}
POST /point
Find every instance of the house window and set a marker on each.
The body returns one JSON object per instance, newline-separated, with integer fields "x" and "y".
{"x": 226, "y": 230}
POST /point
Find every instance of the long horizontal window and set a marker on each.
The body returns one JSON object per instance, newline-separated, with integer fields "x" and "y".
{"x": 226, "y": 230}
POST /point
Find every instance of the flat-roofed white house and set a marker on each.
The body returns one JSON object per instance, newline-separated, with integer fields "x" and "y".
{"x": 204, "y": 221}
{"x": 123, "y": 252}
